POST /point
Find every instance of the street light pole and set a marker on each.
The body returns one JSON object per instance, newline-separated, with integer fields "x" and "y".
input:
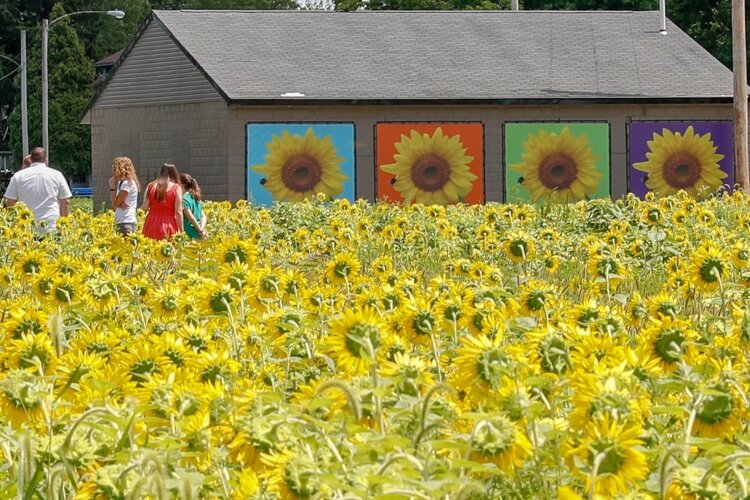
{"x": 46, "y": 24}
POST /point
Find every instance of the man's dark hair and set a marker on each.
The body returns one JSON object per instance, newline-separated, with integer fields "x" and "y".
{"x": 38, "y": 155}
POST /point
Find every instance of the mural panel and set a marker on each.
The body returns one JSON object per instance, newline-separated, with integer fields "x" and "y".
{"x": 291, "y": 162}
{"x": 430, "y": 163}
{"x": 557, "y": 162}
{"x": 666, "y": 157}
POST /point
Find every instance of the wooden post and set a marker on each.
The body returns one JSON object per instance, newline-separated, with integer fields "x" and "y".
{"x": 739, "y": 66}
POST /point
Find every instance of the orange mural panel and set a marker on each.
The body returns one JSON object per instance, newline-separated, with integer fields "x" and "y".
{"x": 430, "y": 163}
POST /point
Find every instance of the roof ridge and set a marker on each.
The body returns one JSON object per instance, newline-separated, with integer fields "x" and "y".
{"x": 401, "y": 12}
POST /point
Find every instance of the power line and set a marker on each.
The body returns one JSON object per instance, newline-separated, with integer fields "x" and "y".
{"x": 9, "y": 74}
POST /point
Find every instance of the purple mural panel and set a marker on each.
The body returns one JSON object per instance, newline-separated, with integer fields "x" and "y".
{"x": 668, "y": 156}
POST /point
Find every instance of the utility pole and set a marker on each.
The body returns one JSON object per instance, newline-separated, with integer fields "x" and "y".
{"x": 45, "y": 91}
{"x": 24, "y": 98}
{"x": 739, "y": 67}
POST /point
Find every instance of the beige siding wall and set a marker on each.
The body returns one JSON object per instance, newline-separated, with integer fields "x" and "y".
{"x": 365, "y": 118}
{"x": 192, "y": 136}
{"x": 208, "y": 140}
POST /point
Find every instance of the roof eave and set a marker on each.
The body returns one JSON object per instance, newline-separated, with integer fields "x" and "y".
{"x": 480, "y": 102}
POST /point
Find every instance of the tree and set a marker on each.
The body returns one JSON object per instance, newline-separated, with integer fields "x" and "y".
{"x": 70, "y": 76}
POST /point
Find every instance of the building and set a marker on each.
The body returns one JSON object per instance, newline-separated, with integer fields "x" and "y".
{"x": 509, "y": 105}
{"x": 104, "y": 66}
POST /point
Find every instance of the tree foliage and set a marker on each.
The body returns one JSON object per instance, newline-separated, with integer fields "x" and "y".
{"x": 70, "y": 89}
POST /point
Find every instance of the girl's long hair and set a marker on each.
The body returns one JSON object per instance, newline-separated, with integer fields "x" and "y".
{"x": 123, "y": 167}
{"x": 190, "y": 185}
{"x": 168, "y": 173}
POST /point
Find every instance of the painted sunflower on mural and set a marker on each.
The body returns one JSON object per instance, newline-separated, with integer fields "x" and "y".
{"x": 686, "y": 161}
{"x": 560, "y": 167}
{"x": 433, "y": 170}
{"x": 298, "y": 167}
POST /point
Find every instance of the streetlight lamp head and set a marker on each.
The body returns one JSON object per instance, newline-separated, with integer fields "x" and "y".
{"x": 117, "y": 13}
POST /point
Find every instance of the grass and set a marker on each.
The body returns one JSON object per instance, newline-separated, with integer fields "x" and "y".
{"x": 83, "y": 203}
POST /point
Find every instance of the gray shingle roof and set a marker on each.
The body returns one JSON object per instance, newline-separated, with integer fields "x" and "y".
{"x": 446, "y": 55}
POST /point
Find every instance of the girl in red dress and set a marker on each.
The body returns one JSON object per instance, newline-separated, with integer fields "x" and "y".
{"x": 163, "y": 202}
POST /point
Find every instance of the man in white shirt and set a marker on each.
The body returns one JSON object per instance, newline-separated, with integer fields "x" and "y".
{"x": 41, "y": 188}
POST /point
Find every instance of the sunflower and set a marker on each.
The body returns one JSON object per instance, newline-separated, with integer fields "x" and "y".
{"x": 355, "y": 340}
{"x": 499, "y": 440}
{"x": 141, "y": 361}
{"x": 25, "y": 320}
{"x": 421, "y": 319}
{"x": 709, "y": 266}
{"x": 75, "y": 366}
{"x": 409, "y": 374}
{"x": 682, "y": 162}
{"x": 549, "y": 349}
{"x": 293, "y": 476}
{"x": 609, "y": 451}
{"x": 669, "y": 340}
{"x": 560, "y": 167}
{"x": 21, "y": 396}
{"x": 598, "y": 396}
{"x": 343, "y": 268}
{"x": 216, "y": 366}
{"x": 32, "y": 262}
{"x": 217, "y": 299}
{"x": 719, "y": 412}
{"x": 483, "y": 366}
{"x": 33, "y": 352}
{"x": 693, "y": 483}
{"x": 247, "y": 485}
{"x": 536, "y": 297}
{"x": 519, "y": 246}
{"x": 299, "y": 167}
{"x": 433, "y": 170}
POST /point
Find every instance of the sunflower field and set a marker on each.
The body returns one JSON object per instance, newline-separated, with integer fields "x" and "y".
{"x": 355, "y": 350}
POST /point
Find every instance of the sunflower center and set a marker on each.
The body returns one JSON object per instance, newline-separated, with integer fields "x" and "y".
{"x": 554, "y": 354}
{"x": 27, "y": 326}
{"x": 140, "y": 370}
{"x": 587, "y": 316}
{"x": 715, "y": 408}
{"x": 612, "y": 459}
{"x": 558, "y": 171}
{"x": 711, "y": 270}
{"x": 220, "y": 300}
{"x": 668, "y": 345}
{"x": 535, "y": 300}
{"x": 357, "y": 339}
{"x": 491, "y": 365}
{"x": 519, "y": 248}
{"x": 430, "y": 172}
{"x": 606, "y": 266}
{"x": 423, "y": 322}
{"x": 33, "y": 353}
{"x": 301, "y": 173}
{"x": 681, "y": 170}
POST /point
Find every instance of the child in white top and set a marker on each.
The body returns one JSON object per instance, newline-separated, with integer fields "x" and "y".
{"x": 123, "y": 192}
